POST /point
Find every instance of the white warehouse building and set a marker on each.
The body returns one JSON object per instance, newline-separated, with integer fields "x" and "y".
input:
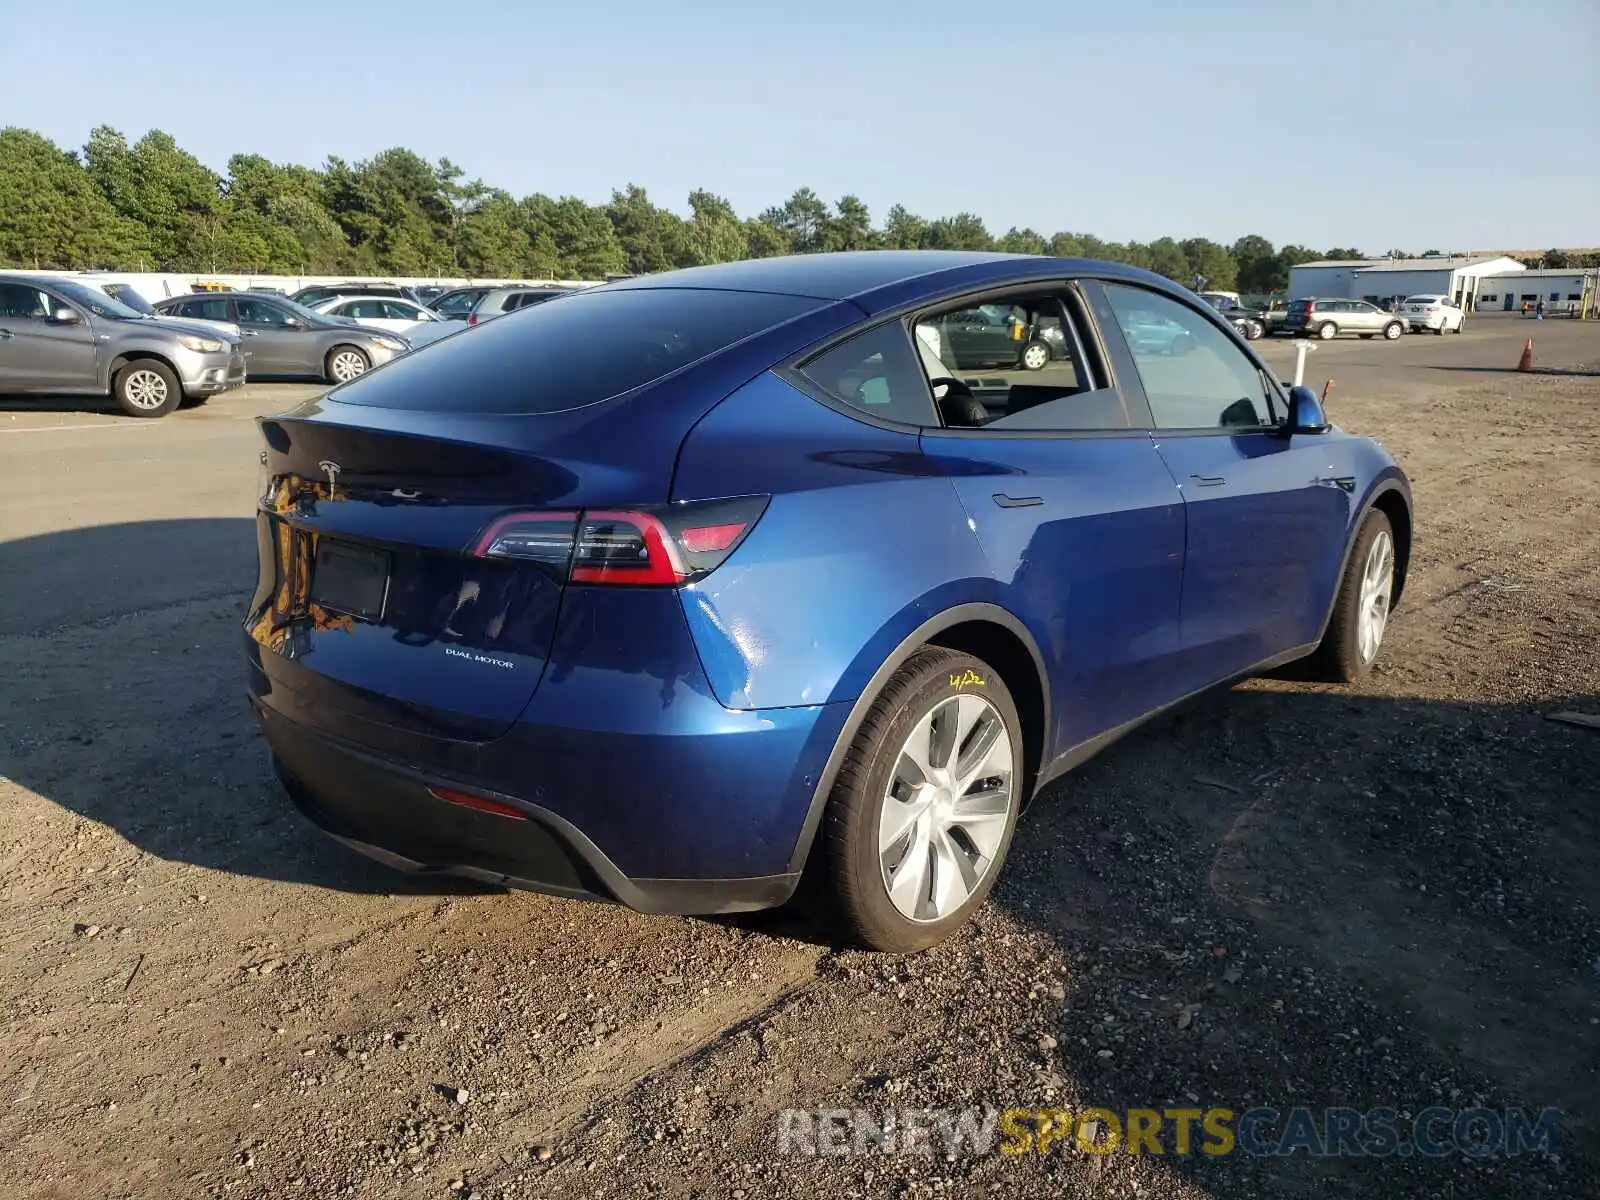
{"x": 1381, "y": 279}
{"x": 1561, "y": 290}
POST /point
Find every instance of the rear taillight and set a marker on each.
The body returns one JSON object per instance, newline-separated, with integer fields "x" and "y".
{"x": 653, "y": 547}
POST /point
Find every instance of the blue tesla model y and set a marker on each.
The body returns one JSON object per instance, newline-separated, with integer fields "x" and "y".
{"x": 677, "y": 588}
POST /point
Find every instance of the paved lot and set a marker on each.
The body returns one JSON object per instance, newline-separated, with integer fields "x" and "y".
{"x": 1284, "y": 895}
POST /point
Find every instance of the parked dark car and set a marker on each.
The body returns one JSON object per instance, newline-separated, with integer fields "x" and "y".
{"x": 285, "y": 338}
{"x": 457, "y": 304}
{"x": 1250, "y": 322}
{"x": 996, "y": 335}
{"x": 681, "y": 586}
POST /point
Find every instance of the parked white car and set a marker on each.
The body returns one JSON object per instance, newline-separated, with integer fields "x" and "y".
{"x": 394, "y": 313}
{"x": 1434, "y": 312}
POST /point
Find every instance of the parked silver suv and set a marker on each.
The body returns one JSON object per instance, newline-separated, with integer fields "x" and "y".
{"x": 60, "y": 336}
{"x": 1328, "y": 319}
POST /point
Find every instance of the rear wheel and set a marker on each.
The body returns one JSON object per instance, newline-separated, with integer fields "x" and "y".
{"x": 1361, "y": 611}
{"x": 344, "y": 363}
{"x": 1327, "y": 331}
{"x": 1393, "y": 330}
{"x": 1254, "y": 330}
{"x": 922, "y": 814}
{"x": 146, "y": 388}
{"x": 1036, "y": 355}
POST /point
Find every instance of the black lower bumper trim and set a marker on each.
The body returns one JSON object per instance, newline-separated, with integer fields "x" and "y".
{"x": 387, "y": 813}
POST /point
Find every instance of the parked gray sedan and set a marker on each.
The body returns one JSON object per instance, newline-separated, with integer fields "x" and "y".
{"x": 284, "y": 338}
{"x": 60, "y": 336}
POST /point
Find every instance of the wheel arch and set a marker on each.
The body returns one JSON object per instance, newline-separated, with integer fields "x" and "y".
{"x": 1392, "y": 498}
{"x": 128, "y": 357}
{"x": 984, "y": 630}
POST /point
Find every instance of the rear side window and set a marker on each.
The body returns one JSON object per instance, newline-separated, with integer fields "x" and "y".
{"x": 877, "y": 373}
{"x": 590, "y": 347}
{"x": 205, "y": 310}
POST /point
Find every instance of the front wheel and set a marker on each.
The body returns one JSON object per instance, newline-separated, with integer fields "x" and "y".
{"x": 146, "y": 388}
{"x": 345, "y": 363}
{"x": 1327, "y": 331}
{"x": 1393, "y": 330}
{"x": 1254, "y": 330}
{"x": 922, "y": 813}
{"x": 1361, "y": 611}
{"x": 1035, "y": 356}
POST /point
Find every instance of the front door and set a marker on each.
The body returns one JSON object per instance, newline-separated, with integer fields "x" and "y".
{"x": 40, "y": 352}
{"x": 1266, "y": 514}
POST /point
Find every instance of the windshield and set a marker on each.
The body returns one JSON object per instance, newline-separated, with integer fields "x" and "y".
{"x": 1423, "y": 299}
{"x": 96, "y": 301}
{"x": 126, "y": 295}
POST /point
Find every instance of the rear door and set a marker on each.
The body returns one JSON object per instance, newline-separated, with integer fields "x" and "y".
{"x": 1265, "y": 514}
{"x": 1077, "y": 515}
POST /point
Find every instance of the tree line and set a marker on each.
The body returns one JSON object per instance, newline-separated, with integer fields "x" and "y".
{"x": 151, "y": 205}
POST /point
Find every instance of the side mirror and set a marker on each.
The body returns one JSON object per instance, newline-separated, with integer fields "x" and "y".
{"x": 1305, "y": 412}
{"x": 66, "y": 316}
{"x": 292, "y": 322}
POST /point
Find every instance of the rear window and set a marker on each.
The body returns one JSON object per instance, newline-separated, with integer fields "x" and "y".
{"x": 590, "y": 347}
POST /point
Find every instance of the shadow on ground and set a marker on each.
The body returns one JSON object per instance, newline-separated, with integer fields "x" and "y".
{"x": 124, "y": 701}
{"x": 1302, "y": 897}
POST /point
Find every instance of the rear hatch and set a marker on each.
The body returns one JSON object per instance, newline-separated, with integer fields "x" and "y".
{"x": 417, "y": 527}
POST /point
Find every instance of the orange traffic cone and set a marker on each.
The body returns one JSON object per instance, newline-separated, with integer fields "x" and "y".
{"x": 1526, "y": 362}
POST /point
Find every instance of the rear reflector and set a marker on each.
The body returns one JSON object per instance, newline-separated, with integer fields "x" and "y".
{"x": 655, "y": 547}
{"x": 479, "y": 803}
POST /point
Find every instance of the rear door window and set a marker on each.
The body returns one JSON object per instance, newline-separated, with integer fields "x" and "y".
{"x": 590, "y": 347}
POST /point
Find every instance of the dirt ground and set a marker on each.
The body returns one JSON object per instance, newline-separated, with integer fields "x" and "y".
{"x": 1285, "y": 894}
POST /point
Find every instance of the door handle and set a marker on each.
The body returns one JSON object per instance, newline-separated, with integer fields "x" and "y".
{"x": 1209, "y": 480}
{"x": 1005, "y": 501}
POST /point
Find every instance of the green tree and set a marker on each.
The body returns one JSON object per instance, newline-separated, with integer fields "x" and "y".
{"x": 652, "y": 239}
{"x": 851, "y": 227}
{"x": 51, "y": 214}
{"x": 1211, "y": 262}
{"x": 715, "y": 232}
{"x": 902, "y": 230}
{"x": 964, "y": 231}
{"x": 1167, "y": 258}
{"x": 1346, "y": 254}
{"x": 1555, "y": 260}
{"x": 762, "y": 240}
{"x": 803, "y": 220}
{"x": 1021, "y": 241}
{"x": 1257, "y": 264}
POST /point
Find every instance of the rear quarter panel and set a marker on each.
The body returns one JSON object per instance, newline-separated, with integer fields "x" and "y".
{"x": 861, "y": 543}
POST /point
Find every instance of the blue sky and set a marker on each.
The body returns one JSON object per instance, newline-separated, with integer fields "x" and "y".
{"x": 1372, "y": 123}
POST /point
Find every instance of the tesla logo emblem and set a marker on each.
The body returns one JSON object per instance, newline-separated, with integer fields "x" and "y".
{"x": 331, "y": 470}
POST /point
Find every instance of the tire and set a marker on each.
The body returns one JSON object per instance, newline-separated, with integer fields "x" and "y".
{"x": 146, "y": 387}
{"x": 1393, "y": 330}
{"x": 345, "y": 363}
{"x": 1327, "y": 331}
{"x": 1035, "y": 356}
{"x": 1439, "y": 332}
{"x": 1254, "y": 331}
{"x": 937, "y": 694}
{"x": 1344, "y": 656}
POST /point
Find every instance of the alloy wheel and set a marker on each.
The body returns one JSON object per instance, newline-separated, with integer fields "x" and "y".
{"x": 947, "y": 807}
{"x": 1377, "y": 584}
{"x": 1035, "y": 357}
{"x": 346, "y": 365}
{"x": 145, "y": 389}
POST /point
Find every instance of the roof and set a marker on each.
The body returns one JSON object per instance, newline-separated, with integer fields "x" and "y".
{"x": 875, "y": 280}
{"x": 1548, "y": 273}
{"x": 1335, "y": 262}
{"x": 1432, "y": 264}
